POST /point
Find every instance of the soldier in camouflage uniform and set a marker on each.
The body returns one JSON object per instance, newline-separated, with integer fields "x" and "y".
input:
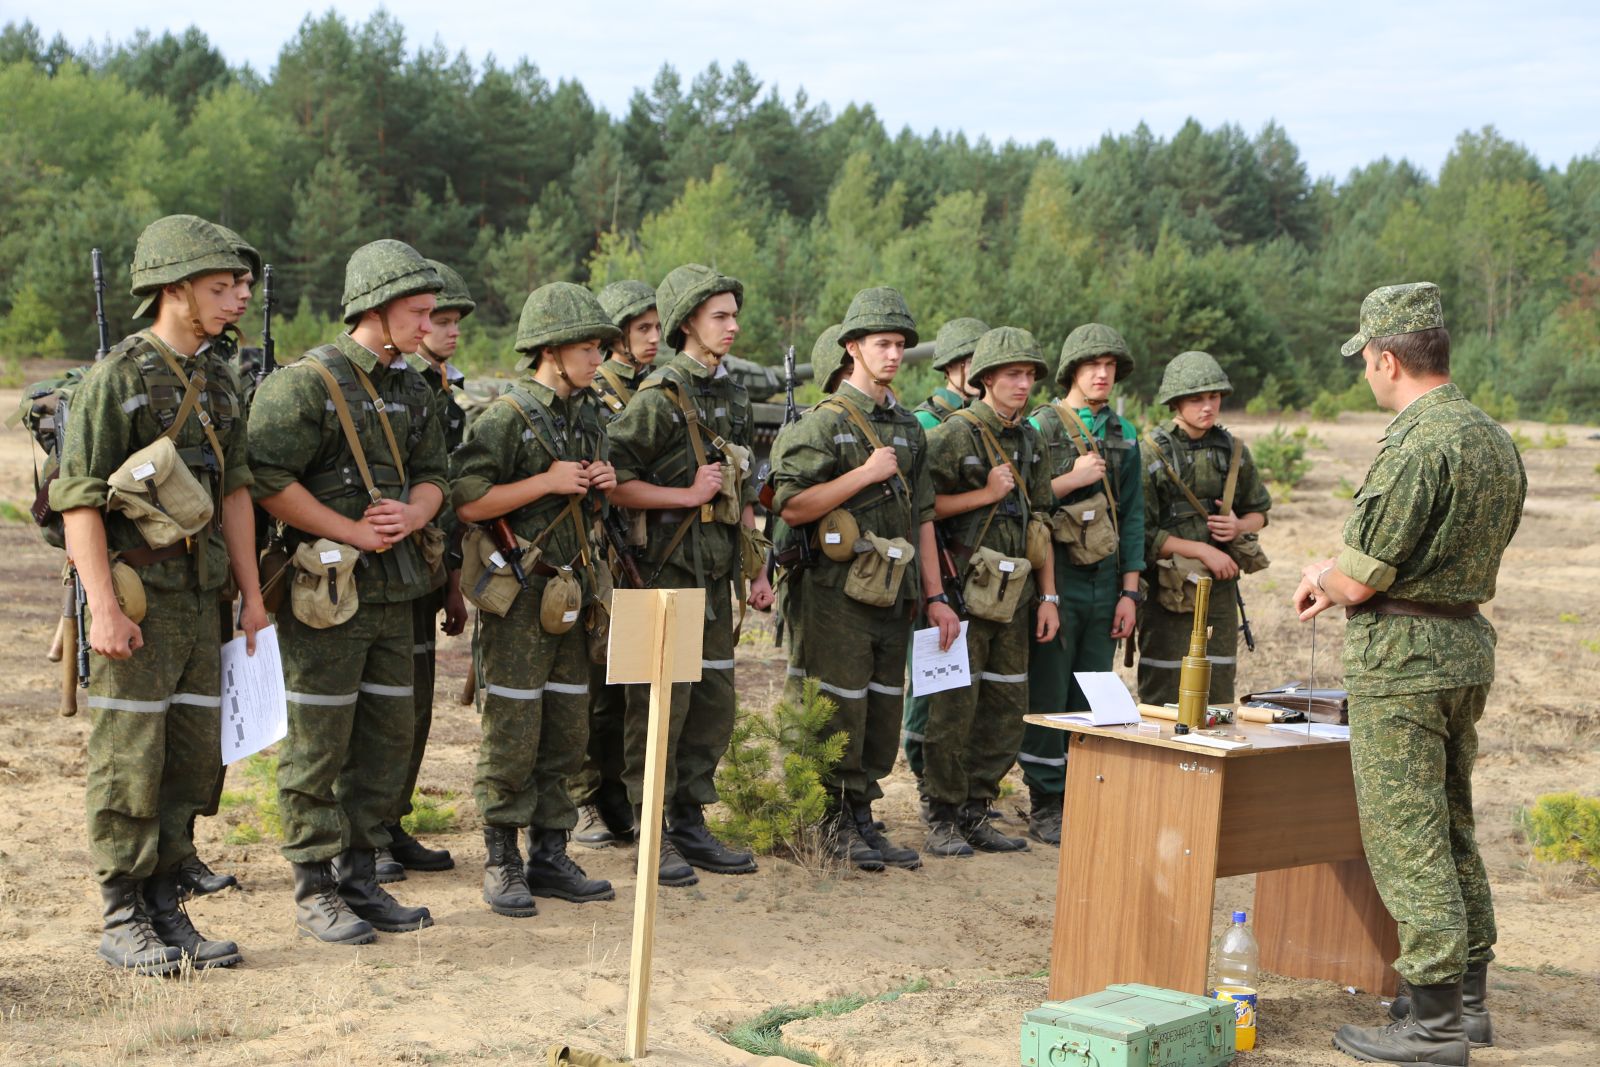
{"x": 952, "y": 353}
{"x": 860, "y": 451}
{"x": 452, "y": 304}
{"x": 350, "y": 685}
{"x": 1095, "y": 452}
{"x": 672, "y": 469}
{"x": 988, "y": 466}
{"x": 155, "y": 685}
{"x": 1421, "y": 552}
{"x": 1196, "y": 450}
{"x": 604, "y": 814}
{"x": 533, "y": 458}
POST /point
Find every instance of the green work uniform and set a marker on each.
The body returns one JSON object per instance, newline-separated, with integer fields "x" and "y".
{"x": 1089, "y": 593}
{"x": 1432, "y": 519}
{"x": 914, "y": 718}
{"x": 1202, "y": 463}
{"x": 974, "y": 732}
{"x": 650, "y": 441}
{"x": 534, "y": 685}
{"x": 856, "y": 651}
{"x": 349, "y": 687}
{"x": 154, "y": 739}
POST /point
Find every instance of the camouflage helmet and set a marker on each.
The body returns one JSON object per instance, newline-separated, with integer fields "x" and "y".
{"x": 878, "y": 310}
{"x": 175, "y": 249}
{"x": 1003, "y": 346}
{"x": 1190, "y": 373}
{"x": 827, "y": 358}
{"x": 683, "y": 290}
{"x": 956, "y": 340}
{"x": 384, "y": 271}
{"x": 246, "y": 250}
{"x": 626, "y": 300}
{"x": 560, "y": 313}
{"x": 1091, "y": 341}
{"x": 454, "y": 296}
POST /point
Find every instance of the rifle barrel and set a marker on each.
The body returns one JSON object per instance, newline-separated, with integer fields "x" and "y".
{"x": 103, "y": 328}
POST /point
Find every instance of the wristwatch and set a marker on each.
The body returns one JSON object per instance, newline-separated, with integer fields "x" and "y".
{"x": 938, "y": 598}
{"x": 1049, "y": 598}
{"x": 1133, "y": 595}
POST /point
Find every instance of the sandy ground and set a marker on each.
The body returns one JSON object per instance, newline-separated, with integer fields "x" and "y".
{"x": 975, "y": 933}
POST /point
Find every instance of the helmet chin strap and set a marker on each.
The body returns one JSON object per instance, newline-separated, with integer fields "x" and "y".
{"x": 388, "y": 339}
{"x": 194, "y": 311}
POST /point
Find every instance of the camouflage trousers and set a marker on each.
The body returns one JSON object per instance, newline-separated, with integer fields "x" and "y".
{"x": 857, "y": 653}
{"x": 1413, "y": 757}
{"x": 701, "y": 720}
{"x": 155, "y": 749}
{"x": 1164, "y": 641}
{"x": 914, "y": 721}
{"x": 533, "y": 696}
{"x": 974, "y": 732}
{"x": 341, "y": 769}
{"x": 1088, "y": 601}
{"x": 603, "y": 760}
{"x": 424, "y": 653}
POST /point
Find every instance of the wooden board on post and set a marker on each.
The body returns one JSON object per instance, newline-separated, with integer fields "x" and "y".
{"x": 655, "y": 638}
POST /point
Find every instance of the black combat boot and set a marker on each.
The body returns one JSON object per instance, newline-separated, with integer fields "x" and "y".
{"x": 945, "y": 837}
{"x": 1431, "y": 1032}
{"x": 611, "y": 800}
{"x": 505, "y": 884}
{"x": 387, "y": 869}
{"x": 1474, "y": 1009}
{"x": 129, "y": 941}
{"x": 413, "y": 855}
{"x": 358, "y": 885}
{"x": 171, "y": 923}
{"x": 871, "y": 831}
{"x": 1044, "y": 816}
{"x": 553, "y": 873}
{"x": 981, "y": 834}
{"x": 320, "y": 912}
{"x": 195, "y": 879}
{"x": 672, "y": 869}
{"x": 687, "y": 830}
{"x": 841, "y": 839}
{"x": 593, "y": 831}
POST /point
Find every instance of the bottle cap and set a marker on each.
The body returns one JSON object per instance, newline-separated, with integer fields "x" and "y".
{"x": 1180, "y": 729}
{"x": 1238, "y": 916}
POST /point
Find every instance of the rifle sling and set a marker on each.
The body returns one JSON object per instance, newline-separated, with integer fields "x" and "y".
{"x": 860, "y": 422}
{"x": 995, "y": 453}
{"x": 1062, "y": 407}
{"x": 572, "y": 509}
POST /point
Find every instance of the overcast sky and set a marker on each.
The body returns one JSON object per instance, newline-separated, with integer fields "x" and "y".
{"x": 1351, "y": 81}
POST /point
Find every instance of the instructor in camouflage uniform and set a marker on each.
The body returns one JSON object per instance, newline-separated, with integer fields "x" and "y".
{"x": 350, "y": 683}
{"x": 859, "y": 451}
{"x": 154, "y": 682}
{"x": 1096, "y": 479}
{"x": 1421, "y": 552}
{"x": 671, "y": 447}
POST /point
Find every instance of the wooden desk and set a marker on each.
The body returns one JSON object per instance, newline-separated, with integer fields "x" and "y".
{"x": 1151, "y": 822}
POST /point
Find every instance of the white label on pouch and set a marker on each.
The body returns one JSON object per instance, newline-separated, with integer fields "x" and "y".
{"x": 894, "y": 553}
{"x": 1006, "y": 566}
{"x": 1088, "y": 516}
{"x": 569, "y": 616}
{"x": 830, "y": 538}
{"x": 498, "y": 560}
{"x": 333, "y": 555}
{"x": 143, "y": 471}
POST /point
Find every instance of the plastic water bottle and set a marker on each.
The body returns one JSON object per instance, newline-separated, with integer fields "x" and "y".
{"x": 1238, "y": 958}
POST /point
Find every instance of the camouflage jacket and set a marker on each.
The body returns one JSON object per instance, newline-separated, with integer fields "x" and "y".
{"x": 1434, "y": 515}
{"x": 940, "y": 405}
{"x": 1202, "y": 463}
{"x": 295, "y": 437}
{"x": 1118, "y": 441}
{"x": 443, "y": 378}
{"x": 124, "y": 403}
{"x": 826, "y": 443}
{"x": 611, "y": 400}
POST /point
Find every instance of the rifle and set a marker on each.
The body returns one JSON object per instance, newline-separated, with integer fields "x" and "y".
{"x": 269, "y": 347}
{"x": 791, "y": 414}
{"x": 506, "y": 542}
{"x": 1244, "y": 620}
{"x": 949, "y": 576}
{"x": 80, "y": 627}
{"x": 617, "y": 537}
{"x": 100, "y": 303}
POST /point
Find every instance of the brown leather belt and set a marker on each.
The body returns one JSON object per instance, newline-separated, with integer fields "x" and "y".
{"x": 146, "y": 557}
{"x": 1388, "y": 605}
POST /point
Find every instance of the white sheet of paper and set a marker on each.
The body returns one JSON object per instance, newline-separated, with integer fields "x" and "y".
{"x": 1110, "y": 703}
{"x": 1323, "y": 731}
{"x": 933, "y": 671}
{"x": 255, "y": 712}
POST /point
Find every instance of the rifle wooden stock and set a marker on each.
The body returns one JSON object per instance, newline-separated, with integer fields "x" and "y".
{"x": 69, "y": 670}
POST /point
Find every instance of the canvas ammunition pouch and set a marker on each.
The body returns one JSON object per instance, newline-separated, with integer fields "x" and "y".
{"x": 1039, "y": 547}
{"x": 1247, "y": 553}
{"x": 156, "y": 489}
{"x": 753, "y": 550}
{"x": 995, "y": 585}
{"x": 486, "y": 576}
{"x": 324, "y": 590}
{"x": 728, "y": 506}
{"x": 272, "y": 571}
{"x": 129, "y": 587}
{"x": 561, "y": 603}
{"x": 1176, "y": 583}
{"x": 1088, "y": 527}
{"x": 837, "y": 534}
{"x": 879, "y": 568}
{"x": 431, "y": 543}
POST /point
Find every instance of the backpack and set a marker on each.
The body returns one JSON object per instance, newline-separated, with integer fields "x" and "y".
{"x": 43, "y": 411}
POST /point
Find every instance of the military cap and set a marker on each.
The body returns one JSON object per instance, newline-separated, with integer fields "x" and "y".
{"x": 686, "y": 288}
{"x": 560, "y": 313}
{"x": 174, "y": 249}
{"x": 385, "y": 271}
{"x": 827, "y": 358}
{"x": 1091, "y": 341}
{"x": 454, "y": 295}
{"x": 878, "y": 310}
{"x": 955, "y": 341}
{"x": 1003, "y": 346}
{"x": 1394, "y": 309}
{"x": 626, "y": 300}
{"x": 1190, "y": 373}
{"x": 246, "y": 250}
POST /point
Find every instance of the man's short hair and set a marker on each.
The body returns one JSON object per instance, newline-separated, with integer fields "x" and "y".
{"x": 1422, "y": 353}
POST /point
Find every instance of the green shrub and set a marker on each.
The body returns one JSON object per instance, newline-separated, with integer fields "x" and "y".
{"x": 1281, "y": 457}
{"x": 1269, "y": 399}
{"x": 1521, "y": 440}
{"x": 430, "y": 813}
{"x": 1325, "y": 408}
{"x": 1565, "y": 828}
{"x": 1502, "y": 407}
{"x": 1345, "y": 490}
{"x": 1553, "y": 439}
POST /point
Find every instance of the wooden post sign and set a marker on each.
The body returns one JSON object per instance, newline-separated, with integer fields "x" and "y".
{"x": 655, "y": 638}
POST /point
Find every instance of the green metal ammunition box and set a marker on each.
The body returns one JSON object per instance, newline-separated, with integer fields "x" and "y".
{"x": 1129, "y": 1026}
